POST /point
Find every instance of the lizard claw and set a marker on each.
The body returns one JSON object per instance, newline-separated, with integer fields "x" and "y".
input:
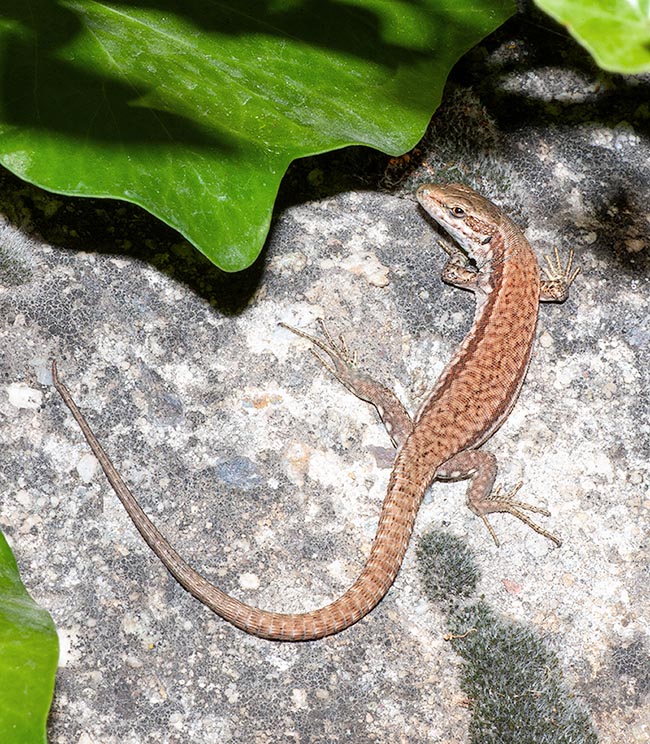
{"x": 506, "y": 503}
{"x": 556, "y": 272}
{"x": 340, "y": 357}
{"x": 555, "y": 288}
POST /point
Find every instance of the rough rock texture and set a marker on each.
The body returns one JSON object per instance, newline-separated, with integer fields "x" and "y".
{"x": 269, "y": 476}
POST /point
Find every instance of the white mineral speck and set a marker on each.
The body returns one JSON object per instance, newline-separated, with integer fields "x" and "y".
{"x": 249, "y": 581}
{"x": 22, "y": 396}
{"x": 87, "y": 467}
{"x": 299, "y": 697}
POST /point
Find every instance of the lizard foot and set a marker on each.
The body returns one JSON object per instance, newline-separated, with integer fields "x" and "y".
{"x": 555, "y": 288}
{"x": 505, "y": 502}
{"x": 340, "y": 362}
{"x": 342, "y": 365}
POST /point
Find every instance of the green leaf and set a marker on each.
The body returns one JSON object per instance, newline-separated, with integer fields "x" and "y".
{"x": 616, "y": 32}
{"x": 194, "y": 109}
{"x": 29, "y": 651}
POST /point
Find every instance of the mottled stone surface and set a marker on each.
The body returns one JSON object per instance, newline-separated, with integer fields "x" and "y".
{"x": 269, "y": 476}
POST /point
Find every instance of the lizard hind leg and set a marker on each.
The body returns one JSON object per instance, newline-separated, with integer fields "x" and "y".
{"x": 340, "y": 363}
{"x": 481, "y": 468}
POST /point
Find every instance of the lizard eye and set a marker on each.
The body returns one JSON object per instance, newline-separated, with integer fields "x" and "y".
{"x": 457, "y": 212}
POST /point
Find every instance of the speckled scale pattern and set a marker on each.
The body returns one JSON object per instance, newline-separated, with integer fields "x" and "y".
{"x": 468, "y": 403}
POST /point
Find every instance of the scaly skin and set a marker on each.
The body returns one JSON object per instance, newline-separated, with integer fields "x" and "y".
{"x": 471, "y": 399}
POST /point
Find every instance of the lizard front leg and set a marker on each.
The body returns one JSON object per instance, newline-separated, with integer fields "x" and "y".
{"x": 459, "y": 275}
{"x": 555, "y": 288}
{"x": 481, "y": 468}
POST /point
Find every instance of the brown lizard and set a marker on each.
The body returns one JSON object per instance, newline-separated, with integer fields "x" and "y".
{"x": 473, "y": 396}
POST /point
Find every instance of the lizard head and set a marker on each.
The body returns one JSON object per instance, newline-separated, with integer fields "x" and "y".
{"x": 467, "y": 216}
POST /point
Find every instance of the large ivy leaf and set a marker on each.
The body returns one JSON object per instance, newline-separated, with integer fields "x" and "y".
{"x": 616, "y": 32}
{"x": 194, "y": 109}
{"x": 29, "y": 651}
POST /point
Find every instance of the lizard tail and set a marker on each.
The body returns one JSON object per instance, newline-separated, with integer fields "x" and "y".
{"x": 396, "y": 522}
